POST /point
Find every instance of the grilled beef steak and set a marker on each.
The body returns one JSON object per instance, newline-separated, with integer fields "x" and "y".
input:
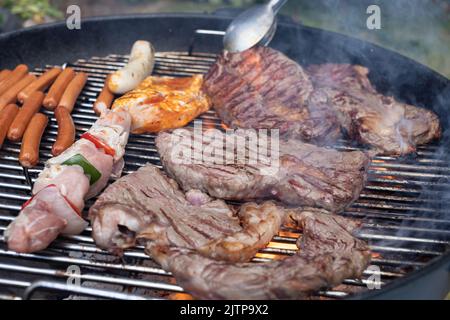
{"x": 390, "y": 126}
{"x": 262, "y": 88}
{"x": 204, "y": 244}
{"x": 328, "y": 254}
{"x": 305, "y": 175}
{"x": 148, "y": 206}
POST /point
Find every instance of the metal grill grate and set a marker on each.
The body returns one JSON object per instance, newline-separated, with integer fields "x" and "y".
{"x": 403, "y": 209}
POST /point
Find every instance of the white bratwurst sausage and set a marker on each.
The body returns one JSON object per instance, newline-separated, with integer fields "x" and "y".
{"x": 140, "y": 66}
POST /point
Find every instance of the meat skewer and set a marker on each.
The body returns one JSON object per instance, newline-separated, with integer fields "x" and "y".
{"x": 77, "y": 174}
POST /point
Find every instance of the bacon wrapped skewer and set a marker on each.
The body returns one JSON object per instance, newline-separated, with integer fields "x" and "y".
{"x": 78, "y": 174}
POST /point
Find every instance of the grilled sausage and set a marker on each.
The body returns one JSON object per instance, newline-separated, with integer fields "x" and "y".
{"x": 140, "y": 66}
{"x": 57, "y": 89}
{"x": 104, "y": 99}
{"x": 4, "y": 74}
{"x": 19, "y": 72}
{"x": 7, "y": 116}
{"x": 21, "y": 121}
{"x": 29, "y": 152}
{"x": 66, "y": 131}
{"x": 10, "y": 96}
{"x": 40, "y": 84}
{"x": 72, "y": 91}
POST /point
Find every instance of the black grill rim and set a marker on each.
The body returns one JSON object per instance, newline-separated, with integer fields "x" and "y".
{"x": 398, "y": 289}
{"x": 204, "y": 16}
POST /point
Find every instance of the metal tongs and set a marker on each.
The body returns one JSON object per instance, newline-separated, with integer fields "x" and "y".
{"x": 255, "y": 26}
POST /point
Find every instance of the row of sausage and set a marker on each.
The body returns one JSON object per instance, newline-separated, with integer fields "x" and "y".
{"x": 26, "y": 123}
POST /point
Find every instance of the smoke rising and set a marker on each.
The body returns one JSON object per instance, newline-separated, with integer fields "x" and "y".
{"x": 415, "y": 214}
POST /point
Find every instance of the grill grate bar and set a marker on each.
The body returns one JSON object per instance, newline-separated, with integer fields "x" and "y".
{"x": 14, "y": 283}
{"x": 85, "y": 262}
{"x": 403, "y": 227}
{"x": 80, "y": 291}
{"x": 271, "y": 251}
{"x": 90, "y": 277}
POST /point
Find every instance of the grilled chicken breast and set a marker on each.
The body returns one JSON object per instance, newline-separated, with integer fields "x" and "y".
{"x": 161, "y": 103}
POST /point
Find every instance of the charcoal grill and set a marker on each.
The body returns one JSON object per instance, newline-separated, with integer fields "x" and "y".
{"x": 404, "y": 207}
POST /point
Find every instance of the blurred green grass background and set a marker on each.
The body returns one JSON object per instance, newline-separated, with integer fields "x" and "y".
{"x": 419, "y": 29}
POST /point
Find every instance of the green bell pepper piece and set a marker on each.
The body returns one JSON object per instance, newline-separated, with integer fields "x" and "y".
{"x": 89, "y": 170}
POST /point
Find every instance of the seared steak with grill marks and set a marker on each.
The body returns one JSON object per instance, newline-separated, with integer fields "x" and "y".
{"x": 148, "y": 206}
{"x": 198, "y": 239}
{"x": 263, "y": 89}
{"x": 306, "y": 175}
{"x": 390, "y": 126}
{"x": 328, "y": 254}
